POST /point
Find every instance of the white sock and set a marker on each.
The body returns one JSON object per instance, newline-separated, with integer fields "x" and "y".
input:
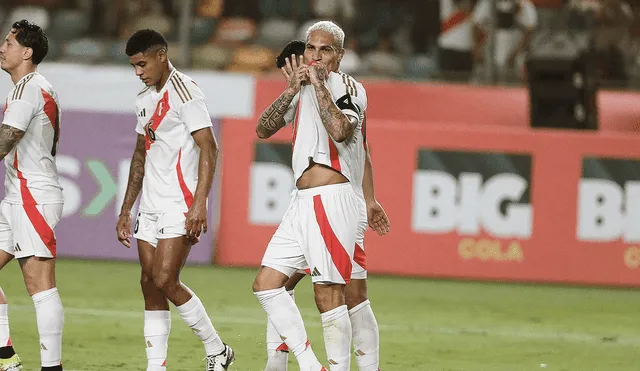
{"x": 5, "y": 339}
{"x": 50, "y": 319}
{"x": 366, "y": 338}
{"x": 286, "y": 318}
{"x": 195, "y": 316}
{"x": 157, "y": 326}
{"x": 277, "y": 350}
{"x": 336, "y": 328}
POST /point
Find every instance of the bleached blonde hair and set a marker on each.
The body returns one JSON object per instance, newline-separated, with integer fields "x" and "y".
{"x": 330, "y": 28}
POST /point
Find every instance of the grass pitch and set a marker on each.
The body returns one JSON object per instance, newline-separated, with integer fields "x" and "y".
{"x": 425, "y": 324}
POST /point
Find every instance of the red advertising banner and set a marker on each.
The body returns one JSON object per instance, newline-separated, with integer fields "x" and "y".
{"x": 472, "y": 202}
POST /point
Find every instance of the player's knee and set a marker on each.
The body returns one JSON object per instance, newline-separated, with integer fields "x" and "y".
{"x": 146, "y": 281}
{"x": 354, "y": 299}
{"x": 356, "y": 293}
{"x": 164, "y": 282}
{"x": 257, "y": 284}
{"x": 329, "y": 299}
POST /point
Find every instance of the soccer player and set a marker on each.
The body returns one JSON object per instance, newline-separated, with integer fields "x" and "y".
{"x": 173, "y": 165}
{"x": 363, "y": 322}
{"x": 33, "y": 196}
{"x": 320, "y": 228}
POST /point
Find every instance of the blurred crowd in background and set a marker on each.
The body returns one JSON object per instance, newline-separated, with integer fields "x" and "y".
{"x": 479, "y": 41}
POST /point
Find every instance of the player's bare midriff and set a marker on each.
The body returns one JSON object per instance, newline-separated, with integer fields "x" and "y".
{"x": 318, "y": 175}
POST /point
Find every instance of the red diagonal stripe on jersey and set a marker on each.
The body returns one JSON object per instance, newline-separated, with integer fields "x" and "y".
{"x": 360, "y": 257}
{"x": 333, "y": 155}
{"x": 158, "y": 115}
{"x": 9, "y": 344}
{"x": 454, "y": 20}
{"x": 188, "y": 196}
{"x": 295, "y": 125}
{"x": 51, "y": 110}
{"x": 37, "y": 220}
{"x": 339, "y": 255}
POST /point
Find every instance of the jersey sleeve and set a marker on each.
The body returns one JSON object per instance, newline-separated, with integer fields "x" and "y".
{"x": 139, "y": 122}
{"x": 350, "y": 96}
{"x": 22, "y": 108}
{"x": 482, "y": 12}
{"x": 290, "y": 113}
{"x": 194, "y": 112}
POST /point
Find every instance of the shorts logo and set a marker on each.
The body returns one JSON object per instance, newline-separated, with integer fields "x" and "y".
{"x": 315, "y": 272}
{"x": 18, "y": 247}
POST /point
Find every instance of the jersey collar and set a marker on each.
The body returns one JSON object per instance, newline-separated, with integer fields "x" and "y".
{"x": 26, "y": 76}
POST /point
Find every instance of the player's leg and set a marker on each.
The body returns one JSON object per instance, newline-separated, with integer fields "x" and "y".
{"x": 277, "y": 350}
{"x": 33, "y": 233}
{"x": 282, "y": 258}
{"x": 9, "y": 360}
{"x": 364, "y": 326}
{"x": 157, "y": 317}
{"x": 332, "y": 221}
{"x": 171, "y": 255}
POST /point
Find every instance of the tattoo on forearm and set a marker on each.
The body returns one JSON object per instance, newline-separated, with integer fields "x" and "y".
{"x": 136, "y": 174}
{"x": 272, "y": 119}
{"x": 336, "y": 123}
{"x": 9, "y": 137}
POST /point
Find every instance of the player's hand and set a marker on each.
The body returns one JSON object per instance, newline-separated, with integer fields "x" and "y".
{"x": 318, "y": 73}
{"x": 378, "y": 219}
{"x": 196, "y": 222}
{"x": 295, "y": 72}
{"x": 123, "y": 228}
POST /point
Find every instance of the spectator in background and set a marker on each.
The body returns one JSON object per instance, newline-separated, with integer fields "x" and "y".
{"x": 350, "y": 63}
{"x": 383, "y": 60}
{"x": 455, "y": 39}
{"x": 609, "y": 23}
{"x": 513, "y": 25}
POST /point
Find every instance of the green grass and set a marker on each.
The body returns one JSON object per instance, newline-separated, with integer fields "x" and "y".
{"x": 424, "y": 324}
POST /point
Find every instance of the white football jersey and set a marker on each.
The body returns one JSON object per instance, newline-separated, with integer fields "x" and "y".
{"x": 166, "y": 119}
{"x": 311, "y": 142}
{"x": 32, "y": 177}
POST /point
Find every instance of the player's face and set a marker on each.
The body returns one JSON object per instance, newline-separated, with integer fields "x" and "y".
{"x": 320, "y": 48}
{"x": 12, "y": 53}
{"x": 149, "y": 66}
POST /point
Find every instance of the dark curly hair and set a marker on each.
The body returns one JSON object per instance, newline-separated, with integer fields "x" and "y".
{"x": 143, "y": 40}
{"x": 293, "y": 47}
{"x": 31, "y": 36}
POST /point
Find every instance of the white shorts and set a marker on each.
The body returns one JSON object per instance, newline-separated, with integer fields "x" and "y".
{"x": 359, "y": 270}
{"x": 318, "y": 231}
{"x": 151, "y": 227}
{"x": 27, "y": 230}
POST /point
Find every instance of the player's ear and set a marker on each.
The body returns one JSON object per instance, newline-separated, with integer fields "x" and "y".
{"x": 162, "y": 55}
{"x": 27, "y": 53}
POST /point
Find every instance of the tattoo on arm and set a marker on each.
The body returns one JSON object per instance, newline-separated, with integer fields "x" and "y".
{"x": 338, "y": 125}
{"x": 272, "y": 119}
{"x": 9, "y": 137}
{"x": 136, "y": 174}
